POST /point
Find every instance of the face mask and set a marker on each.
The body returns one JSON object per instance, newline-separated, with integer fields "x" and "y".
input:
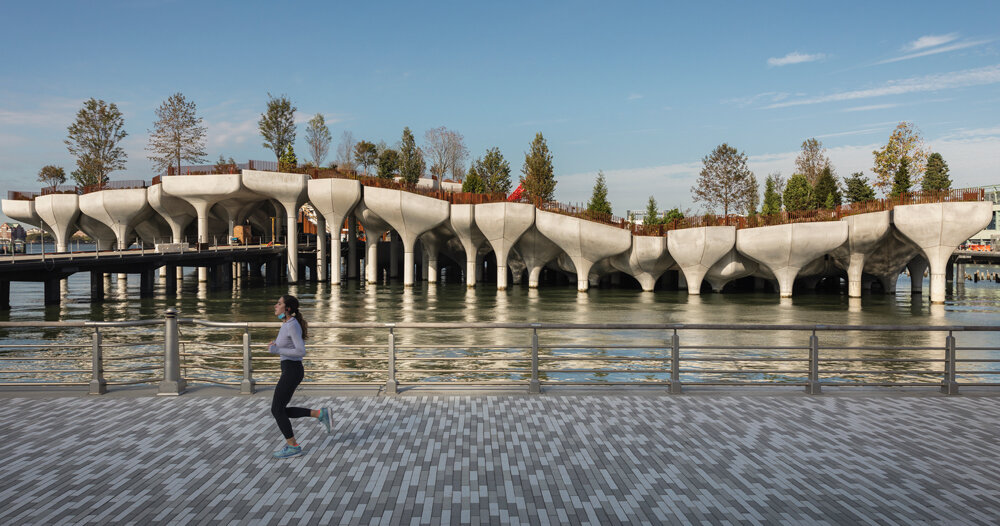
{"x": 281, "y": 316}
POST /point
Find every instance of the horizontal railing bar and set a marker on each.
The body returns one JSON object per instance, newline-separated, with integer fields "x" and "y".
{"x": 748, "y": 348}
{"x": 874, "y": 371}
{"x": 461, "y": 347}
{"x": 44, "y": 346}
{"x": 43, "y": 359}
{"x": 977, "y": 348}
{"x": 133, "y": 382}
{"x": 133, "y": 357}
{"x": 977, "y": 360}
{"x": 883, "y": 384}
{"x": 462, "y": 382}
{"x": 43, "y": 384}
{"x": 210, "y": 381}
{"x": 650, "y": 382}
{"x": 624, "y": 371}
{"x": 572, "y": 358}
{"x": 957, "y": 371}
{"x": 743, "y": 371}
{"x": 499, "y": 371}
{"x": 132, "y": 370}
{"x": 62, "y": 371}
{"x": 879, "y": 348}
{"x": 729, "y": 359}
{"x": 893, "y": 360}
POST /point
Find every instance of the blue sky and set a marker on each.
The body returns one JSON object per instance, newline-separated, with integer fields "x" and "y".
{"x": 640, "y": 90}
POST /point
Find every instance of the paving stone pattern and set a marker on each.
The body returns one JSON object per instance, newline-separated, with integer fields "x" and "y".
{"x": 504, "y": 460}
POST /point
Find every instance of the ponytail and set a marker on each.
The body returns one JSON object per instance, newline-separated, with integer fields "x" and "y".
{"x": 292, "y": 304}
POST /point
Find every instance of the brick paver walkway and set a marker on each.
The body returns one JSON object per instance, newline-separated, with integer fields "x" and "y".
{"x": 504, "y": 460}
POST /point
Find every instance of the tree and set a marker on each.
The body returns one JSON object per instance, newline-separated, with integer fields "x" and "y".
{"x": 652, "y": 217}
{"x": 901, "y": 182}
{"x": 725, "y": 181}
{"x": 345, "y": 152}
{"x": 936, "y": 177}
{"x": 539, "y": 179}
{"x": 411, "y": 159}
{"x": 288, "y": 162}
{"x": 798, "y": 194}
{"x": 812, "y": 160}
{"x": 753, "y": 196}
{"x": 773, "y": 186}
{"x": 277, "y": 124}
{"x": 446, "y": 149}
{"x": 177, "y": 134}
{"x": 93, "y": 139}
{"x": 222, "y": 166}
{"x": 826, "y": 193}
{"x": 388, "y": 164}
{"x": 365, "y": 154}
{"x": 52, "y": 176}
{"x": 494, "y": 171}
{"x": 905, "y": 143}
{"x": 599, "y": 199}
{"x": 857, "y": 188}
{"x": 318, "y": 137}
{"x": 674, "y": 214}
{"x": 473, "y": 182}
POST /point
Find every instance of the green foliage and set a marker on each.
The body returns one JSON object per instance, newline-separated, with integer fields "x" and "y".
{"x": 177, "y": 134}
{"x": 652, "y": 217}
{"x": 93, "y": 139}
{"x": 857, "y": 188}
{"x": 599, "y": 199}
{"x": 388, "y": 164}
{"x": 798, "y": 194}
{"x": 494, "y": 171}
{"x": 674, "y": 214}
{"x": 726, "y": 181}
{"x": 901, "y": 181}
{"x": 52, "y": 176}
{"x": 288, "y": 162}
{"x": 826, "y": 190}
{"x": 773, "y": 187}
{"x": 365, "y": 154}
{"x": 411, "y": 159}
{"x": 753, "y": 196}
{"x": 277, "y": 125}
{"x": 473, "y": 182}
{"x": 539, "y": 176}
{"x": 936, "y": 177}
{"x": 318, "y": 138}
{"x": 812, "y": 160}
{"x": 905, "y": 144}
{"x": 222, "y": 166}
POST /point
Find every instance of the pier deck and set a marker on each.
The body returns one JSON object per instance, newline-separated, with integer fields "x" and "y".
{"x": 550, "y": 459}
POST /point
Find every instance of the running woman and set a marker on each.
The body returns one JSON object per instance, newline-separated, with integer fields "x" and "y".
{"x": 289, "y": 344}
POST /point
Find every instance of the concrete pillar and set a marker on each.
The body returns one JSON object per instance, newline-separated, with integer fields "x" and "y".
{"x": 695, "y": 250}
{"x": 5, "y": 294}
{"x": 917, "y": 266}
{"x": 503, "y": 224}
{"x": 352, "y": 248}
{"x": 395, "y": 247}
{"x": 322, "y": 249}
{"x": 170, "y": 287}
{"x": 52, "y": 291}
{"x": 146, "y": 281}
{"x": 96, "y": 286}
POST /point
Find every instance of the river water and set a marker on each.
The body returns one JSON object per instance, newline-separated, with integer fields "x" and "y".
{"x": 968, "y": 304}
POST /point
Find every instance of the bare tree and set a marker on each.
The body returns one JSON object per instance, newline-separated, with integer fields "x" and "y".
{"x": 345, "y": 152}
{"x": 177, "y": 134}
{"x": 812, "y": 160}
{"x": 318, "y": 138}
{"x": 447, "y": 150}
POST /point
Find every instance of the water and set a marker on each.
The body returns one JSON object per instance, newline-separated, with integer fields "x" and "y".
{"x": 969, "y": 304}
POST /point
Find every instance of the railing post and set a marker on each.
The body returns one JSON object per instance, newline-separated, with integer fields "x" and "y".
{"x": 172, "y": 383}
{"x": 949, "y": 386}
{"x": 675, "y": 364}
{"x": 248, "y": 384}
{"x": 813, "y": 387}
{"x": 391, "y": 385}
{"x": 534, "y": 387}
{"x": 97, "y": 384}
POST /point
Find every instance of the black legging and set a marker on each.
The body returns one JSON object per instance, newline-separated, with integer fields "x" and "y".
{"x": 291, "y": 376}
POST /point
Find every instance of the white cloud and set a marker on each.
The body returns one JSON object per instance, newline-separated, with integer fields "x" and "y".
{"x": 940, "y": 81}
{"x": 794, "y": 58}
{"x": 865, "y": 131}
{"x": 634, "y": 96}
{"x": 56, "y": 113}
{"x": 929, "y": 41}
{"x": 767, "y": 96}
{"x": 963, "y": 133}
{"x": 871, "y": 107}
{"x": 228, "y": 133}
{"x": 935, "y": 51}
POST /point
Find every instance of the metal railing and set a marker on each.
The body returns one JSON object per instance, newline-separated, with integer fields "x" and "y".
{"x": 674, "y": 363}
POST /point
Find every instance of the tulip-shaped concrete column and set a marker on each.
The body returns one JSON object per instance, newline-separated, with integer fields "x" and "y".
{"x": 585, "y": 242}
{"x": 889, "y": 258}
{"x": 785, "y": 249}
{"x": 103, "y": 236}
{"x": 175, "y": 211}
{"x": 59, "y": 212}
{"x": 646, "y": 261}
{"x": 463, "y": 223}
{"x": 290, "y": 191}
{"x": 374, "y": 227}
{"x": 696, "y": 249}
{"x": 536, "y": 251}
{"x": 864, "y": 234}
{"x": 433, "y": 240}
{"x": 202, "y": 192}
{"x": 730, "y": 267}
{"x": 119, "y": 210}
{"x": 938, "y": 229}
{"x": 334, "y": 199}
{"x": 20, "y": 210}
{"x": 503, "y": 224}
{"x": 409, "y": 215}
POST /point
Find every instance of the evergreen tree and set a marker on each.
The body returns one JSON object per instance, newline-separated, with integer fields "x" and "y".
{"x": 473, "y": 182}
{"x": 652, "y": 217}
{"x": 599, "y": 199}
{"x": 936, "y": 177}
{"x": 773, "y": 187}
{"x": 539, "y": 178}
{"x": 858, "y": 189}
{"x": 388, "y": 164}
{"x": 411, "y": 159}
{"x": 901, "y": 181}
{"x": 674, "y": 214}
{"x": 287, "y": 162}
{"x": 826, "y": 190}
{"x": 798, "y": 194}
{"x": 494, "y": 171}
{"x": 753, "y": 196}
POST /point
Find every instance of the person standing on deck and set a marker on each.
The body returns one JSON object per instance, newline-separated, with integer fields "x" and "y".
{"x": 290, "y": 345}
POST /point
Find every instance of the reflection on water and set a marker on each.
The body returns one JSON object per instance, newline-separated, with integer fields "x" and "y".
{"x": 762, "y": 353}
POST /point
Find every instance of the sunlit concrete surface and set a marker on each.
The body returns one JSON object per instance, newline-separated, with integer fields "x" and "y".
{"x": 729, "y": 267}
{"x": 502, "y": 224}
{"x": 21, "y": 211}
{"x": 177, "y": 212}
{"x": 696, "y": 249}
{"x": 889, "y": 258}
{"x": 646, "y": 260}
{"x": 289, "y": 190}
{"x": 119, "y": 210}
{"x": 585, "y": 242}
{"x": 409, "y": 215}
{"x": 59, "y": 212}
{"x": 505, "y": 459}
{"x": 785, "y": 249}
{"x": 462, "y": 220}
{"x": 864, "y": 233}
{"x": 938, "y": 229}
{"x": 536, "y": 251}
{"x": 334, "y": 199}
{"x": 374, "y": 227}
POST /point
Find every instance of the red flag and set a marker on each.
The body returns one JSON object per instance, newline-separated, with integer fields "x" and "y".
{"x": 516, "y": 194}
